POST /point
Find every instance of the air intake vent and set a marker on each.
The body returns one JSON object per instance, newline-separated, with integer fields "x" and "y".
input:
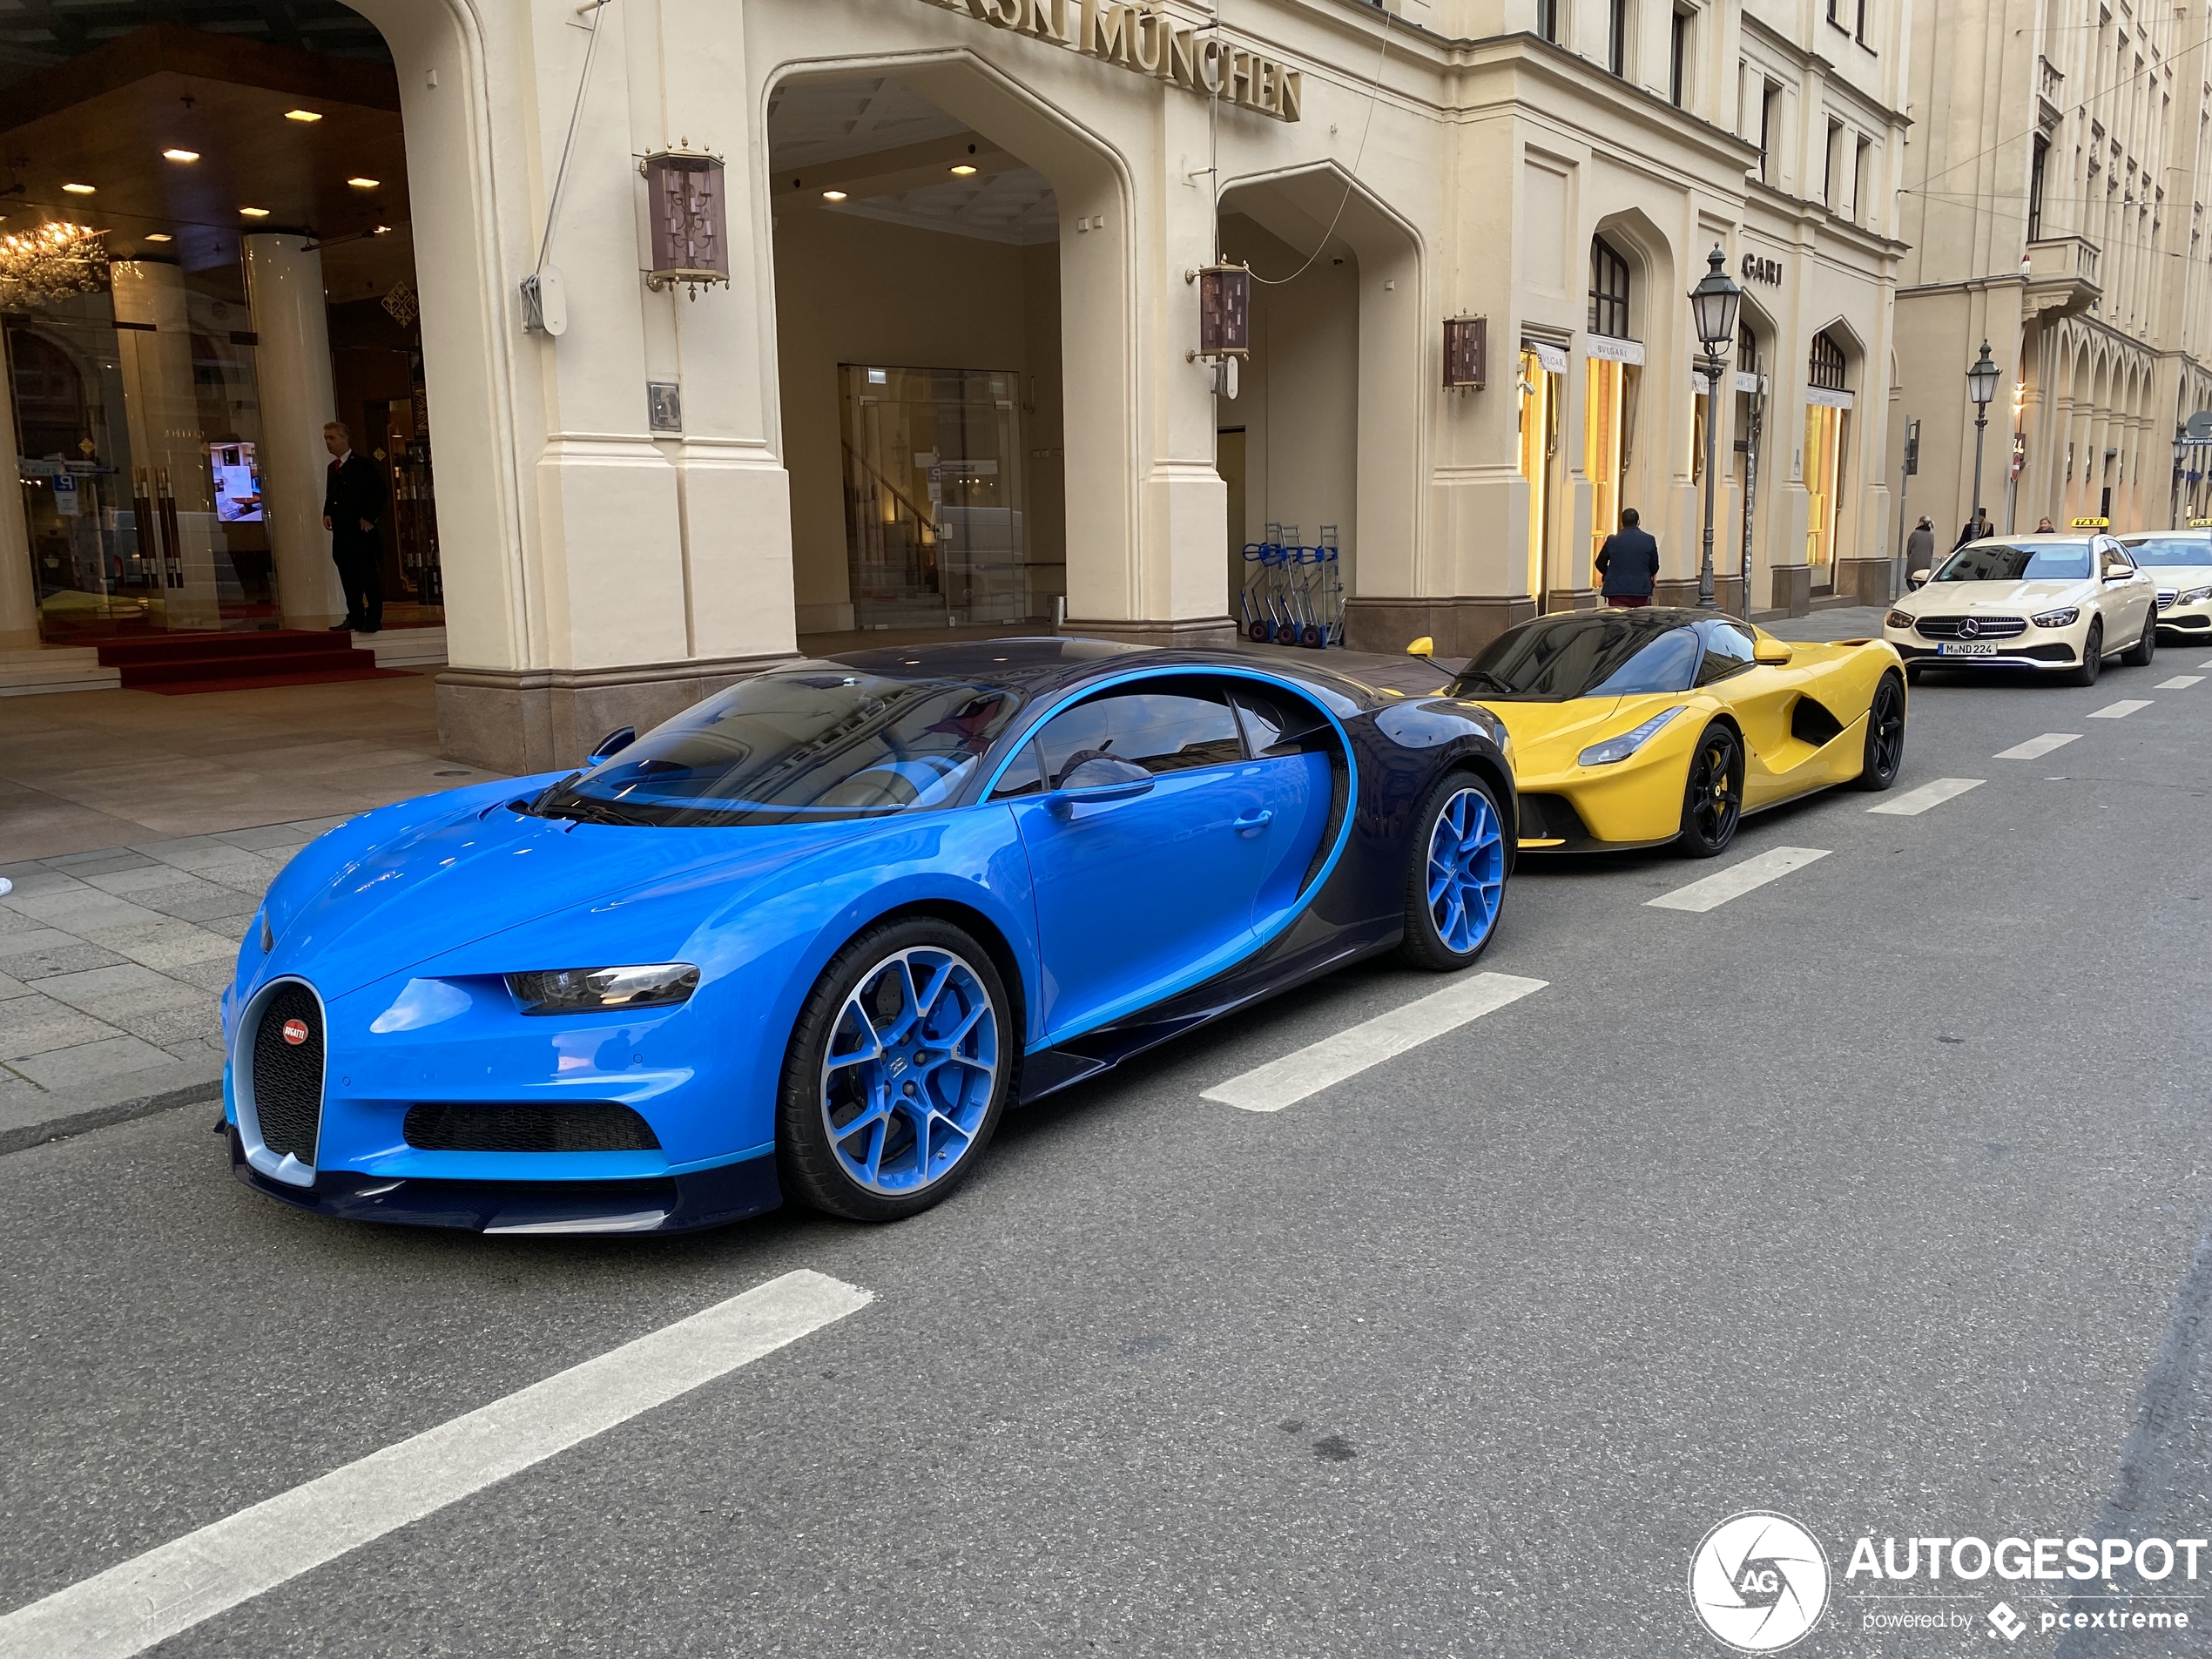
{"x": 287, "y": 1072}
{"x": 571, "y": 1126}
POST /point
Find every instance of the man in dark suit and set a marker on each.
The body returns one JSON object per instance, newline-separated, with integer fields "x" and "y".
{"x": 353, "y": 502}
{"x": 1629, "y": 563}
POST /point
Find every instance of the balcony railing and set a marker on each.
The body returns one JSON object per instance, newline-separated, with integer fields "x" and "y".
{"x": 2062, "y": 273}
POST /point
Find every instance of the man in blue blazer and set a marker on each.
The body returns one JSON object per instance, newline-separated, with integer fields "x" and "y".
{"x": 1628, "y": 564}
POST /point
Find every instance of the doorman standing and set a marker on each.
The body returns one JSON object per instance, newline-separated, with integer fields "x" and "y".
{"x": 353, "y": 503}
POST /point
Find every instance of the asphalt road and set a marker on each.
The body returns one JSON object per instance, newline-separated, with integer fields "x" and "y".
{"x": 1870, "y": 1197}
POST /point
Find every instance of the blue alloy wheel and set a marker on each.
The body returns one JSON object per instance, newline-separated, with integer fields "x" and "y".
{"x": 910, "y": 1071}
{"x": 1466, "y": 870}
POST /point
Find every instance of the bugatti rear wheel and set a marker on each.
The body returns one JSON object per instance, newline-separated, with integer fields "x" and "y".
{"x": 1456, "y": 874}
{"x": 1712, "y": 804}
{"x": 900, "y": 1066}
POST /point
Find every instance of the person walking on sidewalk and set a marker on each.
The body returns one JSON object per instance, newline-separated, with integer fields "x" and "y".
{"x": 1628, "y": 564}
{"x": 353, "y": 502}
{"x": 1919, "y": 547}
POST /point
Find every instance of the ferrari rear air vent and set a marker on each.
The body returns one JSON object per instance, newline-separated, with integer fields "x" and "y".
{"x": 1811, "y": 724}
{"x": 571, "y": 1126}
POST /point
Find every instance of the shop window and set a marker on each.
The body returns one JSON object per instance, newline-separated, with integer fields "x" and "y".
{"x": 1609, "y": 290}
{"x": 1608, "y": 438}
{"x": 1539, "y": 452}
{"x": 1825, "y": 454}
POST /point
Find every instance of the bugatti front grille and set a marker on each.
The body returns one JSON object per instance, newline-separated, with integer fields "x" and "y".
{"x": 1981, "y": 628}
{"x": 571, "y": 1126}
{"x": 287, "y": 1072}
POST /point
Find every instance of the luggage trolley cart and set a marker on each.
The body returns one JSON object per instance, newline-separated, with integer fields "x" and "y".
{"x": 1326, "y": 627}
{"x": 1256, "y": 597}
{"x": 1283, "y": 586}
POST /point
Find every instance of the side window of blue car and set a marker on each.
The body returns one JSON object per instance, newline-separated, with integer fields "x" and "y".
{"x": 1279, "y": 723}
{"x": 1163, "y": 725}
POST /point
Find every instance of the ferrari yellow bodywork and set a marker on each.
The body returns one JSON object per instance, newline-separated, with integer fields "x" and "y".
{"x": 1803, "y": 724}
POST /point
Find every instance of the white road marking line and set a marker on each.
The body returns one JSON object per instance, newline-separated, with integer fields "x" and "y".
{"x": 2119, "y": 710}
{"x": 1739, "y": 878}
{"x": 132, "y": 1606}
{"x": 1290, "y": 1080}
{"x": 2036, "y": 748}
{"x": 2181, "y": 682}
{"x": 1913, "y": 802}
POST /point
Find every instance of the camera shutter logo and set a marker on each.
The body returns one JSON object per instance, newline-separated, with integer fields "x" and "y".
{"x": 1759, "y": 1582}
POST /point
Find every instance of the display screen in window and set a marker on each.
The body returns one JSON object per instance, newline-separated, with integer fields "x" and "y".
{"x": 238, "y": 482}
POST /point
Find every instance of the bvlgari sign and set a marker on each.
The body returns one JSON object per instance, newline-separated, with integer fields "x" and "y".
{"x": 1145, "y": 40}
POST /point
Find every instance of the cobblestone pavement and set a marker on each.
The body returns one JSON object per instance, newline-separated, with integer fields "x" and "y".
{"x": 111, "y": 961}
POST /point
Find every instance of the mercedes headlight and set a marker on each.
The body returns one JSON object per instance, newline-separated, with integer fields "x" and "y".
{"x": 2065, "y": 617}
{"x": 1620, "y": 748}
{"x": 1898, "y": 619}
{"x": 598, "y": 990}
{"x": 2194, "y": 597}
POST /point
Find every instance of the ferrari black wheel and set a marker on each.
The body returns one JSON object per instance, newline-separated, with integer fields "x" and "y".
{"x": 900, "y": 1063}
{"x": 2140, "y": 653}
{"x": 1884, "y": 736}
{"x": 2093, "y": 656}
{"x": 1712, "y": 804}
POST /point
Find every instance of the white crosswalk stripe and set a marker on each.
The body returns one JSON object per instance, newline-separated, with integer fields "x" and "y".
{"x": 2036, "y": 748}
{"x": 2120, "y": 711}
{"x": 1739, "y": 878}
{"x": 1913, "y": 802}
{"x": 131, "y": 1607}
{"x": 1290, "y": 1080}
{"x": 2181, "y": 682}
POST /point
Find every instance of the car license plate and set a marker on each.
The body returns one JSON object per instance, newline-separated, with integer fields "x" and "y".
{"x": 1968, "y": 648}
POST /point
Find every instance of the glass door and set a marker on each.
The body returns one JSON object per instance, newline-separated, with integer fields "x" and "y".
{"x": 1824, "y": 491}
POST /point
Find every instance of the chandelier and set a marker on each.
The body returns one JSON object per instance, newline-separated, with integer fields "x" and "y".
{"x": 49, "y": 263}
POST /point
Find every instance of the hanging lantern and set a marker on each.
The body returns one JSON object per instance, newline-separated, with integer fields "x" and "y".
{"x": 1467, "y": 352}
{"x": 1225, "y": 311}
{"x": 685, "y": 198}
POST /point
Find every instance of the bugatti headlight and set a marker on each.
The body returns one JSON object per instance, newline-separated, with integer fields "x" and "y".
{"x": 2065, "y": 617}
{"x": 2194, "y": 597}
{"x": 598, "y": 990}
{"x": 1620, "y": 748}
{"x": 1899, "y": 619}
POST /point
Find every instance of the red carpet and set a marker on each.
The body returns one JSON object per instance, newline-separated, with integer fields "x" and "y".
{"x": 176, "y": 664}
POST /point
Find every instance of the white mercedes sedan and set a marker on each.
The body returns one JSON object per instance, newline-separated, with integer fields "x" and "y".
{"x": 2181, "y": 562}
{"x": 2050, "y": 604}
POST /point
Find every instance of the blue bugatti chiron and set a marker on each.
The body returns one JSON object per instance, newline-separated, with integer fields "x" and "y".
{"x": 815, "y": 935}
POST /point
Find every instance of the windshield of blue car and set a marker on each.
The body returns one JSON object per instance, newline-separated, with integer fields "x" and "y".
{"x": 1586, "y": 653}
{"x": 813, "y": 743}
{"x": 2170, "y": 549}
{"x": 2028, "y": 562}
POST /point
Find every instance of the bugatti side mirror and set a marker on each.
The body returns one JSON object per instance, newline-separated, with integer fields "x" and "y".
{"x": 1771, "y": 652}
{"x": 613, "y": 743}
{"x": 1096, "y": 780}
{"x": 1918, "y": 580}
{"x": 1424, "y": 648}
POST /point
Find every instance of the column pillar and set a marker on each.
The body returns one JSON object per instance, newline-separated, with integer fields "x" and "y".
{"x": 161, "y": 408}
{"x": 19, "y": 591}
{"x": 291, "y": 367}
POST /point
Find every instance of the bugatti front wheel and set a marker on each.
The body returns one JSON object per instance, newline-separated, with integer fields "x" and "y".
{"x": 1456, "y": 874}
{"x": 900, "y": 1066}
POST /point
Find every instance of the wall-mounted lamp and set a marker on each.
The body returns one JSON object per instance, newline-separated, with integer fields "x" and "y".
{"x": 1467, "y": 352}
{"x": 1224, "y": 311}
{"x": 685, "y": 198}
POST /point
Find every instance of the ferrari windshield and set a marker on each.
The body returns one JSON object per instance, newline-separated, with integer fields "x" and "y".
{"x": 816, "y": 743}
{"x": 2027, "y": 562}
{"x": 2170, "y": 549}
{"x": 1584, "y": 653}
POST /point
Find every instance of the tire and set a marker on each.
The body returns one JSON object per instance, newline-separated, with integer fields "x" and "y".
{"x": 1712, "y": 798}
{"x": 1456, "y": 874}
{"x": 1885, "y": 755}
{"x": 2140, "y": 654}
{"x": 1260, "y": 632}
{"x": 882, "y": 1136}
{"x": 2093, "y": 656}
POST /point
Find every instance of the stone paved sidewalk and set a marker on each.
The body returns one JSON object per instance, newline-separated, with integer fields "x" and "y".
{"x": 111, "y": 962}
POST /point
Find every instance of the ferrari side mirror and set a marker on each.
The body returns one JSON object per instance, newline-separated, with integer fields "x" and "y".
{"x": 1423, "y": 647}
{"x": 1772, "y": 653}
{"x": 613, "y": 743}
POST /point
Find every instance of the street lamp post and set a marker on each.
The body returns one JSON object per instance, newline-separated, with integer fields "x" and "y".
{"x": 1713, "y": 306}
{"x": 1981, "y": 385}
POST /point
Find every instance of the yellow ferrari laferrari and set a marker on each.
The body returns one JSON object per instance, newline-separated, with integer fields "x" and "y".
{"x": 1643, "y": 727}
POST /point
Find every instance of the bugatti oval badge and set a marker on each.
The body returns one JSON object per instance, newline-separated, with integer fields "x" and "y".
{"x": 295, "y": 1032}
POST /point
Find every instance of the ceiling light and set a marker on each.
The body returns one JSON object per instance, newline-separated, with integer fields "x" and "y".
{"x": 254, "y": 212}
{"x": 80, "y": 189}
{"x": 962, "y": 171}
{"x": 301, "y": 115}
{"x": 380, "y": 230}
{"x": 158, "y": 236}
{"x": 362, "y": 183}
{"x": 832, "y": 195}
{"x": 180, "y": 155}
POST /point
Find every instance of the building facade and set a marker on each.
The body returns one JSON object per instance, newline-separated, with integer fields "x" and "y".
{"x": 2054, "y": 195}
{"x": 951, "y": 381}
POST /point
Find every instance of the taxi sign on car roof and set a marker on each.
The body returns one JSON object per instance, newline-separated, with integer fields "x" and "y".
{"x": 2092, "y": 524}
{"x": 2200, "y": 523}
